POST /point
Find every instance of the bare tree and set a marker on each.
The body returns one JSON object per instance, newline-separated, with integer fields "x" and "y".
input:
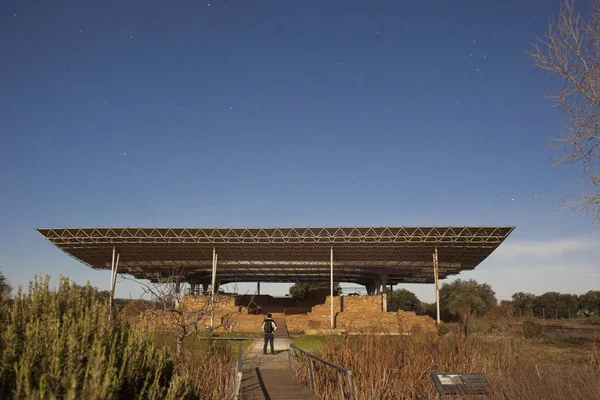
{"x": 169, "y": 309}
{"x": 571, "y": 50}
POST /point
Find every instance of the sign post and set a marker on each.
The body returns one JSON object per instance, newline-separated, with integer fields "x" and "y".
{"x": 459, "y": 383}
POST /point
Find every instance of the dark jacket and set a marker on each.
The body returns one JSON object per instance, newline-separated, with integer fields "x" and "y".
{"x": 264, "y": 325}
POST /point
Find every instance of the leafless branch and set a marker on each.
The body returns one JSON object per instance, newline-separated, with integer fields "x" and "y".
{"x": 571, "y": 50}
{"x": 168, "y": 308}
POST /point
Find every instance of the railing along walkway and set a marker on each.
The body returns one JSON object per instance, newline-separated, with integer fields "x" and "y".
{"x": 239, "y": 372}
{"x": 344, "y": 376}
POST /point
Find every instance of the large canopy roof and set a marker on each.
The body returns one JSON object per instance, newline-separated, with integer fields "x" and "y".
{"x": 361, "y": 254}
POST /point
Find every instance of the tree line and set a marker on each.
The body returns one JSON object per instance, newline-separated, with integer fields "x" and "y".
{"x": 469, "y": 298}
{"x": 554, "y": 305}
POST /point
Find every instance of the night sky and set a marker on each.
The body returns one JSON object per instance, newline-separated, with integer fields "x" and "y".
{"x": 285, "y": 113}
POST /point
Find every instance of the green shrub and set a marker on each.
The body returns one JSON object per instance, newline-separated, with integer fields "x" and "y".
{"x": 63, "y": 343}
{"x": 531, "y": 328}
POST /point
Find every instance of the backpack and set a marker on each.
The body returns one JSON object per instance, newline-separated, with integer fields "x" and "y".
{"x": 268, "y": 326}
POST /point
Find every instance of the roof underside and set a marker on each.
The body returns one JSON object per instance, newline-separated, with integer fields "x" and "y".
{"x": 283, "y": 254}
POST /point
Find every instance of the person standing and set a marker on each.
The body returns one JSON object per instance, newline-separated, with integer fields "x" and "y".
{"x": 269, "y": 327}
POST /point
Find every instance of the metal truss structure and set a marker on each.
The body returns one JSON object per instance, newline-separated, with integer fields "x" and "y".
{"x": 364, "y": 255}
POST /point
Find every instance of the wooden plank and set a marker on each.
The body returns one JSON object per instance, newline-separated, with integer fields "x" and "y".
{"x": 273, "y": 384}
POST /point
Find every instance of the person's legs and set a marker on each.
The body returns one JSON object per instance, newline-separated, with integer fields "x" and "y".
{"x": 266, "y": 341}
{"x": 272, "y": 338}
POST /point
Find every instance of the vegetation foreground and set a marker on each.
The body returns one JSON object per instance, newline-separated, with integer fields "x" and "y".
{"x": 64, "y": 344}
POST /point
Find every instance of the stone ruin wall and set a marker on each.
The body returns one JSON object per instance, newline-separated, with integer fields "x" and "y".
{"x": 234, "y": 318}
{"x": 353, "y": 314}
{"x": 263, "y": 304}
{"x": 359, "y": 314}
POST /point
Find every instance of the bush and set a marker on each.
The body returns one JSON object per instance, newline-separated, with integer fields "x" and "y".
{"x": 63, "y": 343}
{"x": 479, "y": 326}
{"x": 500, "y": 326}
{"x": 531, "y": 328}
{"x": 473, "y": 327}
{"x": 442, "y": 329}
{"x": 455, "y": 328}
{"x": 405, "y": 300}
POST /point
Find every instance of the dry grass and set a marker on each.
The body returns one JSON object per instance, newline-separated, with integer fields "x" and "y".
{"x": 398, "y": 367}
{"x": 211, "y": 372}
{"x": 208, "y": 363}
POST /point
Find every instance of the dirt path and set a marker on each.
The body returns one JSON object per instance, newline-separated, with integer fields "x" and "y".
{"x": 254, "y": 356}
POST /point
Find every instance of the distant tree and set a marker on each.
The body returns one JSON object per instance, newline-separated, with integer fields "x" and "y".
{"x": 523, "y": 303}
{"x": 481, "y": 294}
{"x": 403, "y": 299}
{"x": 556, "y": 305}
{"x": 590, "y": 302}
{"x": 546, "y": 305}
{"x": 506, "y": 308}
{"x": 5, "y": 287}
{"x": 570, "y": 50}
{"x": 429, "y": 309}
{"x": 570, "y": 305}
{"x": 467, "y": 298}
{"x": 300, "y": 289}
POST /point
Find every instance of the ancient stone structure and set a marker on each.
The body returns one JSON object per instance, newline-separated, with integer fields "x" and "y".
{"x": 358, "y": 314}
{"x": 353, "y": 314}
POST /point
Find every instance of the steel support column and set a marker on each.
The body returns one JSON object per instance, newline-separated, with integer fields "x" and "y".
{"x": 437, "y": 289}
{"x": 112, "y": 267}
{"x": 213, "y": 282}
{"x": 331, "y": 287}
{"x": 113, "y": 277}
{"x": 377, "y": 285}
{"x": 383, "y": 279}
{"x": 114, "y": 285}
{"x": 112, "y": 272}
{"x": 258, "y": 288}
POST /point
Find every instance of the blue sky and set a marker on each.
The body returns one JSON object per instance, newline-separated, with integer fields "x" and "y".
{"x": 295, "y": 113}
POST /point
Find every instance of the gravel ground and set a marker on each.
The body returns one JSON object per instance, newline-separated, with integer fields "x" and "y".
{"x": 254, "y": 356}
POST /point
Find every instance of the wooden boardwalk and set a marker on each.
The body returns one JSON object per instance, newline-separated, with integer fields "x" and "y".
{"x": 269, "y": 377}
{"x": 273, "y": 384}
